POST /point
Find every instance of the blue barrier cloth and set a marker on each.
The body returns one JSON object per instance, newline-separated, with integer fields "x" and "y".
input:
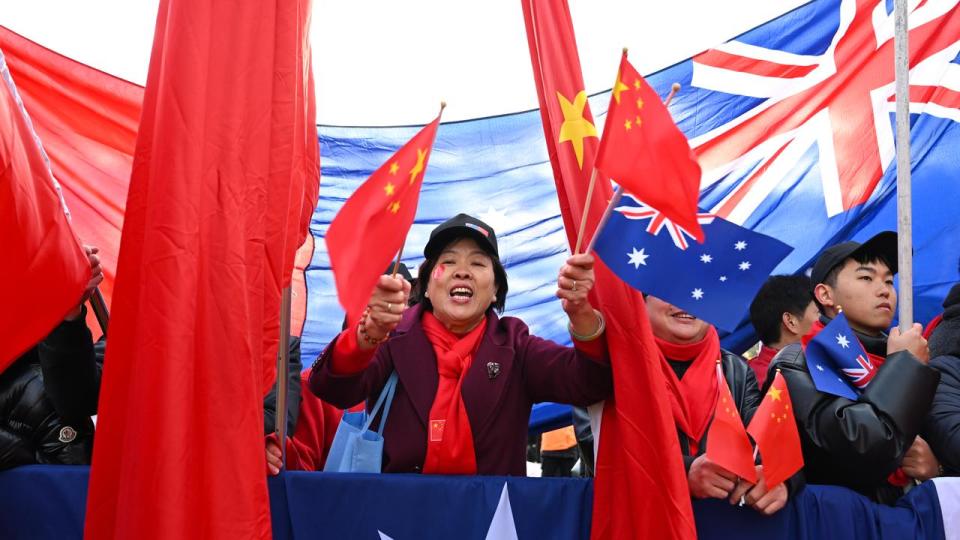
{"x": 41, "y": 501}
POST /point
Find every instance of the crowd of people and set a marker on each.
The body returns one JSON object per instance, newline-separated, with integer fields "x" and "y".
{"x": 468, "y": 377}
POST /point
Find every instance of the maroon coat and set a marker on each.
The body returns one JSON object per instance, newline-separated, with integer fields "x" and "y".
{"x": 531, "y": 370}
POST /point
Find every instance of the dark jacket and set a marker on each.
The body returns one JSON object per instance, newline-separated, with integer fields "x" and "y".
{"x": 294, "y": 367}
{"x": 47, "y": 397}
{"x": 531, "y": 370}
{"x": 942, "y": 427}
{"x": 746, "y": 393}
{"x": 858, "y": 444}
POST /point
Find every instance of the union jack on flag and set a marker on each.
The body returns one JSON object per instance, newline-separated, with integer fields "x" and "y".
{"x": 658, "y": 221}
{"x": 836, "y": 99}
{"x": 861, "y": 375}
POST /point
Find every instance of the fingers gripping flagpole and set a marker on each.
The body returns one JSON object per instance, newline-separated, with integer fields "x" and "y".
{"x": 904, "y": 195}
{"x": 617, "y": 194}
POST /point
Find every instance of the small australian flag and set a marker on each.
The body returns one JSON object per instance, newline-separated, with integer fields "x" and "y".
{"x": 715, "y": 281}
{"x": 837, "y": 362}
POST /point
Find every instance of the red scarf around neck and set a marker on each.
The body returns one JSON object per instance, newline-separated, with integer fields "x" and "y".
{"x": 693, "y": 399}
{"x": 449, "y": 436}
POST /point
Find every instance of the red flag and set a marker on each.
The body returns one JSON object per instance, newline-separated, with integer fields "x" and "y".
{"x": 88, "y": 123}
{"x": 775, "y": 431}
{"x": 195, "y": 277}
{"x": 641, "y": 486}
{"x": 727, "y": 442}
{"x": 371, "y": 227}
{"x": 44, "y": 266}
{"x": 647, "y": 154}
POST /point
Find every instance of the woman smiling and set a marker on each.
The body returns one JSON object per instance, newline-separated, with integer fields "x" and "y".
{"x": 467, "y": 378}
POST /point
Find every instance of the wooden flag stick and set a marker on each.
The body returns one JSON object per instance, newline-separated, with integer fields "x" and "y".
{"x": 904, "y": 195}
{"x": 283, "y": 375}
{"x": 99, "y": 306}
{"x": 674, "y": 88}
{"x": 586, "y": 211}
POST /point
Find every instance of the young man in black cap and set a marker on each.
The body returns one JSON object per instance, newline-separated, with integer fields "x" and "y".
{"x": 871, "y": 444}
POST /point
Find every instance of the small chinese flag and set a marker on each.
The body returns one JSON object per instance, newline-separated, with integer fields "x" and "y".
{"x": 646, "y": 153}
{"x": 727, "y": 442}
{"x": 372, "y": 225}
{"x": 775, "y": 431}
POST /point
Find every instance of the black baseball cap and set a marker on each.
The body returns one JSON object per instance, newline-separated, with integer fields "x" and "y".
{"x": 460, "y": 226}
{"x": 884, "y": 244}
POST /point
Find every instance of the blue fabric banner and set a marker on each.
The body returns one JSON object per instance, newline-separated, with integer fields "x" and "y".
{"x": 792, "y": 123}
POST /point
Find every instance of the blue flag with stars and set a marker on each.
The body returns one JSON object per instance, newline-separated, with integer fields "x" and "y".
{"x": 837, "y": 362}
{"x": 715, "y": 281}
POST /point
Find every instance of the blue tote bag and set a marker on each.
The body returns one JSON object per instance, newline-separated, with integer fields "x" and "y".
{"x": 355, "y": 448}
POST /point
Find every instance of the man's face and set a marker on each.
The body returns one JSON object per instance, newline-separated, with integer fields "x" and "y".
{"x": 865, "y": 293}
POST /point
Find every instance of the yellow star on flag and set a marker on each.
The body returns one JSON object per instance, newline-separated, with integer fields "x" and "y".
{"x": 575, "y": 127}
{"x": 775, "y": 393}
{"x": 394, "y": 207}
{"x": 627, "y": 125}
{"x": 619, "y": 87}
{"x": 389, "y": 188}
{"x": 394, "y": 167}
{"x": 639, "y": 103}
{"x": 418, "y": 168}
{"x": 636, "y": 84}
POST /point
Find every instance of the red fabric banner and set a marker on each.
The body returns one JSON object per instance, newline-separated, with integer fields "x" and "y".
{"x": 640, "y": 489}
{"x": 372, "y": 225}
{"x": 196, "y": 276}
{"x": 45, "y": 268}
{"x": 88, "y": 123}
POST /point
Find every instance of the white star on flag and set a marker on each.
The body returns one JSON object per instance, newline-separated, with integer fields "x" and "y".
{"x": 819, "y": 367}
{"x": 697, "y": 294}
{"x": 745, "y": 265}
{"x": 706, "y": 258}
{"x": 502, "y": 526}
{"x": 740, "y": 246}
{"x": 842, "y": 341}
{"x": 723, "y": 278}
{"x": 497, "y": 219}
{"x": 638, "y": 257}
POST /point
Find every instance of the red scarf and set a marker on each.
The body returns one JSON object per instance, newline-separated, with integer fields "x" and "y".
{"x": 449, "y": 437}
{"x": 693, "y": 399}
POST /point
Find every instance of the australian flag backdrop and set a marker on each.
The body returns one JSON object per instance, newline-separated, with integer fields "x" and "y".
{"x": 793, "y": 124}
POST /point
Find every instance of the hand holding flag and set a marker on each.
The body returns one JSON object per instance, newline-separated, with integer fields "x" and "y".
{"x": 372, "y": 225}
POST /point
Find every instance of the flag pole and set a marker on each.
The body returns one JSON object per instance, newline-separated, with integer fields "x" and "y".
{"x": 283, "y": 376}
{"x": 396, "y": 265}
{"x": 618, "y": 193}
{"x": 904, "y": 195}
{"x": 99, "y": 305}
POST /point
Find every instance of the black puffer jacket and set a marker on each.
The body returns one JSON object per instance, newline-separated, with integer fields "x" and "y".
{"x": 47, "y": 397}
{"x": 858, "y": 444}
{"x": 942, "y": 427}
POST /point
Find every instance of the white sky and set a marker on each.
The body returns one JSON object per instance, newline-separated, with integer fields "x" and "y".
{"x": 389, "y": 62}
